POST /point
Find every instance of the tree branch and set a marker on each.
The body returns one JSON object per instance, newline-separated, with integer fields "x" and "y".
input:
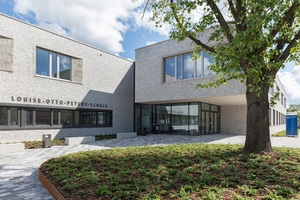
{"x": 191, "y": 37}
{"x": 241, "y": 14}
{"x": 220, "y": 19}
{"x": 144, "y": 10}
{"x": 232, "y": 9}
{"x": 285, "y": 54}
{"x": 288, "y": 17}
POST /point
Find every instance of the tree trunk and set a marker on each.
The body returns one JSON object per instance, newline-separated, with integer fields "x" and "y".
{"x": 258, "y": 133}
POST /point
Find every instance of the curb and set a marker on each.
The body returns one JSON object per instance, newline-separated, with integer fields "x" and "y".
{"x": 52, "y": 190}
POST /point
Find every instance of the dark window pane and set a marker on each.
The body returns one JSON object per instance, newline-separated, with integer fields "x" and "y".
{"x": 188, "y": 66}
{"x": 3, "y": 116}
{"x": 205, "y": 106}
{"x": 66, "y": 117}
{"x": 14, "y": 116}
{"x": 29, "y": 117}
{"x": 170, "y": 69}
{"x": 64, "y": 67}
{"x": 89, "y": 118}
{"x": 77, "y": 118}
{"x": 214, "y": 108}
{"x": 42, "y": 62}
{"x": 55, "y": 117}
{"x": 42, "y": 117}
{"x": 108, "y": 118}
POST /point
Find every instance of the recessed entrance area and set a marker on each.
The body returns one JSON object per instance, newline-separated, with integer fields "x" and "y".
{"x": 194, "y": 118}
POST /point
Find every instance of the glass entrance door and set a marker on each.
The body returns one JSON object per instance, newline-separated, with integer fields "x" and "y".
{"x": 209, "y": 122}
{"x": 205, "y": 122}
{"x": 163, "y": 116}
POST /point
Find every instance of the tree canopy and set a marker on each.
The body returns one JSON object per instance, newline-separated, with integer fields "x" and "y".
{"x": 251, "y": 42}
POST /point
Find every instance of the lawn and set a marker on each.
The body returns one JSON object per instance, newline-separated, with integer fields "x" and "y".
{"x": 190, "y": 171}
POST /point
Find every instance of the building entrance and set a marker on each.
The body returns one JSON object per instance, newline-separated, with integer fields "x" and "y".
{"x": 183, "y": 118}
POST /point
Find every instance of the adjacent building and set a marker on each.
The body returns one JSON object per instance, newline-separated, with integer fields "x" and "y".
{"x": 167, "y": 101}
{"x": 51, "y": 84}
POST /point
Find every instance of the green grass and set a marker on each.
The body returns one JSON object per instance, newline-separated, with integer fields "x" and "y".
{"x": 191, "y": 171}
{"x": 281, "y": 133}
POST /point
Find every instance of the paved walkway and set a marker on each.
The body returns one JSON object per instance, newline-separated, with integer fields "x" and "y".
{"x": 19, "y": 171}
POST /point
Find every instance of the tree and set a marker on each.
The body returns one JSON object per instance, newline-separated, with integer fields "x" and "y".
{"x": 295, "y": 108}
{"x": 253, "y": 40}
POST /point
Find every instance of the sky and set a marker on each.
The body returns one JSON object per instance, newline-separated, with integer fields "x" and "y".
{"x": 115, "y": 26}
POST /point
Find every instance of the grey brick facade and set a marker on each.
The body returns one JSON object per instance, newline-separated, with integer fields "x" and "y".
{"x": 100, "y": 80}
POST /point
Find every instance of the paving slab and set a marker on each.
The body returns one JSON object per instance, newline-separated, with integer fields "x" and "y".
{"x": 19, "y": 171}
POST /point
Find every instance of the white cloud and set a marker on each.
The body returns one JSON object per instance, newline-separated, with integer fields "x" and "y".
{"x": 147, "y": 24}
{"x": 100, "y": 23}
{"x": 150, "y": 42}
{"x": 291, "y": 82}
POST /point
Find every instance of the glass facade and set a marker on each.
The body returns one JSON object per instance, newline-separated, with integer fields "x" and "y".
{"x": 35, "y": 118}
{"x": 194, "y": 118}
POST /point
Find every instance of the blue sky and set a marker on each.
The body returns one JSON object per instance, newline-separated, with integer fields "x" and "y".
{"x": 114, "y": 26}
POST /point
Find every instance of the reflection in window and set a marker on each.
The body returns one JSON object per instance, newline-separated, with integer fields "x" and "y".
{"x": 180, "y": 118}
{"x": 42, "y": 62}
{"x": 170, "y": 69}
{"x": 60, "y": 66}
{"x": 54, "y": 65}
{"x": 199, "y": 68}
{"x": 208, "y": 60}
{"x": 3, "y": 116}
{"x": 188, "y": 66}
{"x": 179, "y": 67}
{"x": 163, "y": 115}
{"x": 193, "y": 117}
{"x": 64, "y": 67}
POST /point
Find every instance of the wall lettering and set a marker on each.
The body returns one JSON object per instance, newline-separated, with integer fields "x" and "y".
{"x": 35, "y": 100}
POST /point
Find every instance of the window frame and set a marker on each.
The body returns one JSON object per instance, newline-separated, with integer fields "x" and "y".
{"x": 198, "y": 67}
{"x": 50, "y": 66}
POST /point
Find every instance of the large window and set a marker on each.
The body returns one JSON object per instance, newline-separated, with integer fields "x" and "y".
{"x": 53, "y": 64}
{"x": 3, "y": 116}
{"x": 52, "y": 118}
{"x": 192, "y": 118}
{"x": 43, "y": 116}
{"x": 185, "y": 67}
